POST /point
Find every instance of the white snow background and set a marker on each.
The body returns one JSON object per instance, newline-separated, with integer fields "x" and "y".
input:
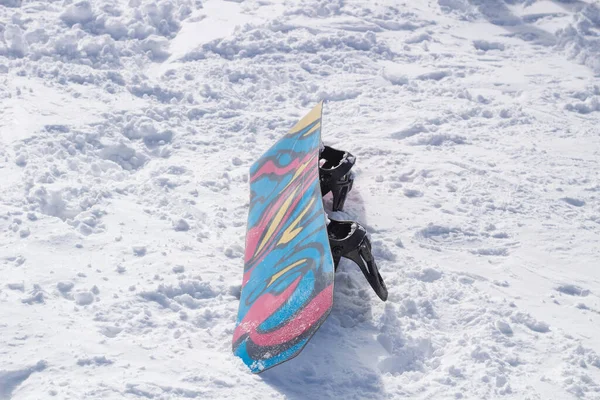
{"x": 126, "y": 132}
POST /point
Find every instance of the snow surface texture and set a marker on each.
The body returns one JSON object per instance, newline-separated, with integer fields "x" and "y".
{"x": 126, "y": 133}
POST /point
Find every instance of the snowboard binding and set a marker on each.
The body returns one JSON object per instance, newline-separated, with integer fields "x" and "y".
{"x": 334, "y": 174}
{"x": 347, "y": 239}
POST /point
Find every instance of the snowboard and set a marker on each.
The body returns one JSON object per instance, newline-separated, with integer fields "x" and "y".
{"x": 287, "y": 286}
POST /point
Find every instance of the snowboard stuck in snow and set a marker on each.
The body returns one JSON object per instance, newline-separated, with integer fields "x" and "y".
{"x": 292, "y": 248}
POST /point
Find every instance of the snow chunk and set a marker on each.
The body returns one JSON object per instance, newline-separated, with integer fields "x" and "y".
{"x": 486, "y": 46}
{"x": 234, "y": 251}
{"x": 21, "y": 160}
{"x": 429, "y": 275}
{"x": 51, "y": 203}
{"x": 140, "y": 127}
{"x": 478, "y": 354}
{"x": 573, "y": 290}
{"x": 98, "y": 361}
{"x": 412, "y": 193}
{"x": 531, "y": 323}
{"x": 16, "y": 286}
{"x": 157, "y": 47}
{"x": 164, "y": 95}
{"x": 491, "y": 251}
{"x": 36, "y": 297}
{"x": 78, "y": 13}
{"x": 590, "y": 105}
{"x": 504, "y": 327}
{"x": 236, "y": 161}
{"x": 408, "y": 307}
{"x": 124, "y": 155}
{"x": 434, "y": 75}
{"x": 455, "y": 5}
{"x": 573, "y": 202}
{"x": 181, "y": 225}
{"x": 99, "y": 48}
{"x": 440, "y": 139}
{"x": 380, "y": 250}
{"x": 115, "y": 28}
{"x": 178, "y": 269}
{"x": 65, "y": 287}
{"x": 146, "y": 129}
{"x": 580, "y": 39}
{"x": 187, "y": 293}
{"x": 110, "y": 331}
{"x": 84, "y": 298}
{"x": 11, "y": 3}
{"x": 418, "y": 38}
{"x": 15, "y": 41}
{"x": 396, "y": 78}
{"x": 139, "y": 251}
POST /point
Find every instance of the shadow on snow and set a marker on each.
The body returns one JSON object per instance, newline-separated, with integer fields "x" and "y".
{"x": 341, "y": 359}
{"x": 498, "y": 13}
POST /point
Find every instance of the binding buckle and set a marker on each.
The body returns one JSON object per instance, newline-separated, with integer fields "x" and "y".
{"x": 349, "y": 239}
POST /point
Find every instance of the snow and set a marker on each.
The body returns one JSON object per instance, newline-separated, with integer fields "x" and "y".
{"x": 126, "y": 134}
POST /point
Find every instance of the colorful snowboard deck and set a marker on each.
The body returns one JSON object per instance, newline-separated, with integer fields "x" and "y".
{"x": 287, "y": 288}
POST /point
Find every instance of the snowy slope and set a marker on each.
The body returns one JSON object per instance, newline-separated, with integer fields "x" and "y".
{"x": 126, "y": 133}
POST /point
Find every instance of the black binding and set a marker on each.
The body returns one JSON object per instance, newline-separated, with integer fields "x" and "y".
{"x": 349, "y": 239}
{"x": 335, "y": 176}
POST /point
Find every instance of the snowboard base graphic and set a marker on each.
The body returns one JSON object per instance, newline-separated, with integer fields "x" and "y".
{"x": 292, "y": 248}
{"x": 287, "y": 288}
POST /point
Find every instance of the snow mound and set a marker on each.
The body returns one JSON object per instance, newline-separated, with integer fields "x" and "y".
{"x": 580, "y": 39}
